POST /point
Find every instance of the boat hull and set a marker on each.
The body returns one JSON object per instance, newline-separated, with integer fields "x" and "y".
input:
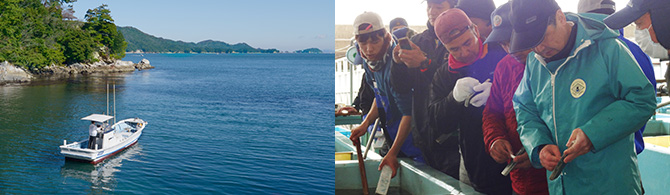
{"x": 78, "y": 151}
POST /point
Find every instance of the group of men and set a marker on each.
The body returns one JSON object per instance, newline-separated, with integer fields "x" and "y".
{"x": 524, "y": 83}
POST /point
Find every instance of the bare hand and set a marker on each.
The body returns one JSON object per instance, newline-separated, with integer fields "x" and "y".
{"x": 396, "y": 52}
{"x": 522, "y": 161}
{"x": 357, "y": 132}
{"x": 578, "y": 144}
{"x": 500, "y": 150}
{"x": 392, "y": 162}
{"x": 346, "y": 111}
{"x": 412, "y": 57}
{"x": 549, "y": 156}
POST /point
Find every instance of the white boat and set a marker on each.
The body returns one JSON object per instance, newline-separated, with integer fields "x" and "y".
{"x": 116, "y": 138}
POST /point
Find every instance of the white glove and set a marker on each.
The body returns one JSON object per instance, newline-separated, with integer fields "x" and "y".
{"x": 463, "y": 88}
{"x": 480, "y": 99}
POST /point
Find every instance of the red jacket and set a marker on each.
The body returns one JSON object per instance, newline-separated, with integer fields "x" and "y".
{"x": 499, "y": 122}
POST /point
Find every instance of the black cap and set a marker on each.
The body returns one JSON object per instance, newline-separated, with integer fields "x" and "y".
{"x": 659, "y": 11}
{"x": 502, "y": 28}
{"x": 477, "y": 8}
{"x": 529, "y": 21}
{"x": 397, "y": 22}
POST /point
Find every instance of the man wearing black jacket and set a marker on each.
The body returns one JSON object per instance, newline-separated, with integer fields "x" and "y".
{"x": 459, "y": 92}
{"x": 439, "y": 148}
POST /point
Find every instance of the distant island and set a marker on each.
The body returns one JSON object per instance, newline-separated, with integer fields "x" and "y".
{"x": 139, "y": 41}
{"x": 310, "y": 50}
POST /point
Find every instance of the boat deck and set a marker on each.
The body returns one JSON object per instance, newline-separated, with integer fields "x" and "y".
{"x": 412, "y": 177}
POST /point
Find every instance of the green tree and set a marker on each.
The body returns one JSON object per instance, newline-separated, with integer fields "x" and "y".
{"x": 119, "y": 45}
{"x": 100, "y": 25}
{"x": 28, "y": 31}
{"x": 78, "y": 46}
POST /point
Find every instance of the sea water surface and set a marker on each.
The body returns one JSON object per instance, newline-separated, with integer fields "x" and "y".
{"x": 226, "y": 123}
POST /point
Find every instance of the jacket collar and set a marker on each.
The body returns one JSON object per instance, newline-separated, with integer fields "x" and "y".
{"x": 589, "y": 30}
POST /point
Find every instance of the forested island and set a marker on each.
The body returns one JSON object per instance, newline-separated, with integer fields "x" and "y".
{"x": 310, "y": 50}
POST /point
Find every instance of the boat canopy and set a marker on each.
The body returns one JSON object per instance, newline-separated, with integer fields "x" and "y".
{"x": 97, "y": 117}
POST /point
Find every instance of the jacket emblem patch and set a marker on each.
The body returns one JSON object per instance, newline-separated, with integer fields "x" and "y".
{"x": 577, "y": 88}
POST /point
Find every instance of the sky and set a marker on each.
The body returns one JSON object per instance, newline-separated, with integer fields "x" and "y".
{"x": 414, "y": 11}
{"x": 286, "y": 25}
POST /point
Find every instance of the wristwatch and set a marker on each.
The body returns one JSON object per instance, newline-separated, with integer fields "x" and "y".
{"x": 424, "y": 64}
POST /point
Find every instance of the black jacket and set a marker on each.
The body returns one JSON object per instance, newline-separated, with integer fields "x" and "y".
{"x": 444, "y": 155}
{"x": 448, "y": 116}
{"x": 363, "y": 102}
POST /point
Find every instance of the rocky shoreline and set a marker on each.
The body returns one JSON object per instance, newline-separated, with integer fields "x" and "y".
{"x": 13, "y": 74}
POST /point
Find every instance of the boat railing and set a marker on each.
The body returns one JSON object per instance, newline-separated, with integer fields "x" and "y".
{"x": 347, "y": 80}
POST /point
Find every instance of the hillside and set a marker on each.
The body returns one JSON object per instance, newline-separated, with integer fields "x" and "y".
{"x": 138, "y": 40}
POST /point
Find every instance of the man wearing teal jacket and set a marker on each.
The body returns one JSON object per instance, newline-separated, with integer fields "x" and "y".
{"x": 582, "y": 96}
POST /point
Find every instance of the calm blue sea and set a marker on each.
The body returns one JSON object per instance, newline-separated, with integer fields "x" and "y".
{"x": 228, "y": 123}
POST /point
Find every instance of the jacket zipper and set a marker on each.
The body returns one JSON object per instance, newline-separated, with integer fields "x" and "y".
{"x": 553, "y": 81}
{"x": 553, "y": 103}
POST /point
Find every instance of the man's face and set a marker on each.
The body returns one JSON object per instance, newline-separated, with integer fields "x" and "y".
{"x": 644, "y": 22}
{"x": 555, "y": 37}
{"x": 370, "y": 45}
{"x": 464, "y": 48}
{"x": 518, "y": 56}
{"x": 483, "y": 26}
{"x": 521, "y": 56}
{"x": 435, "y": 9}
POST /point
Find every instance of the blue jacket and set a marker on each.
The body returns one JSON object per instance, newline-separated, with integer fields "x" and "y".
{"x": 598, "y": 88}
{"x": 394, "y": 103}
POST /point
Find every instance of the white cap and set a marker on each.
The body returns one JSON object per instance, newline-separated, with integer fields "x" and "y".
{"x": 585, "y": 6}
{"x": 373, "y": 21}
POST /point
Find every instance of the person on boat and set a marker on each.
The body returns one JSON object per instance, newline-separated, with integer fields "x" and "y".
{"x": 580, "y": 101}
{"x": 501, "y": 140}
{"x": 376, "y": 46}
{"x": 92, "y": 135}
{"x": 479, "y": 12}
{"x": 649, "y": 16}
{"x": 398, "y": 23}
{"x": 458, "y": 95}
{"x": 599, "y": 9}
{"x": 440, "y": 150}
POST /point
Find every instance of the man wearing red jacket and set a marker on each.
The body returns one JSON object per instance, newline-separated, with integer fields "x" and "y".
{"x": 499, "y": 120}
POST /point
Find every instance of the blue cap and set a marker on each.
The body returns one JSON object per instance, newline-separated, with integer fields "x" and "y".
{"x": 397, "y": 22}
{"x": 502, "y": 28}
{"x": 529, "y": 20}
{"x": 659, "y": 11}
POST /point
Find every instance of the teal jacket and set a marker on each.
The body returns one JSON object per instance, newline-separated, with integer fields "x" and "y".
{"x": 599, "y": 88}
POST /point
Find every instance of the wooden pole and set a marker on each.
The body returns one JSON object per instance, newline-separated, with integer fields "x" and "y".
{"x": 361, "y": 167}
